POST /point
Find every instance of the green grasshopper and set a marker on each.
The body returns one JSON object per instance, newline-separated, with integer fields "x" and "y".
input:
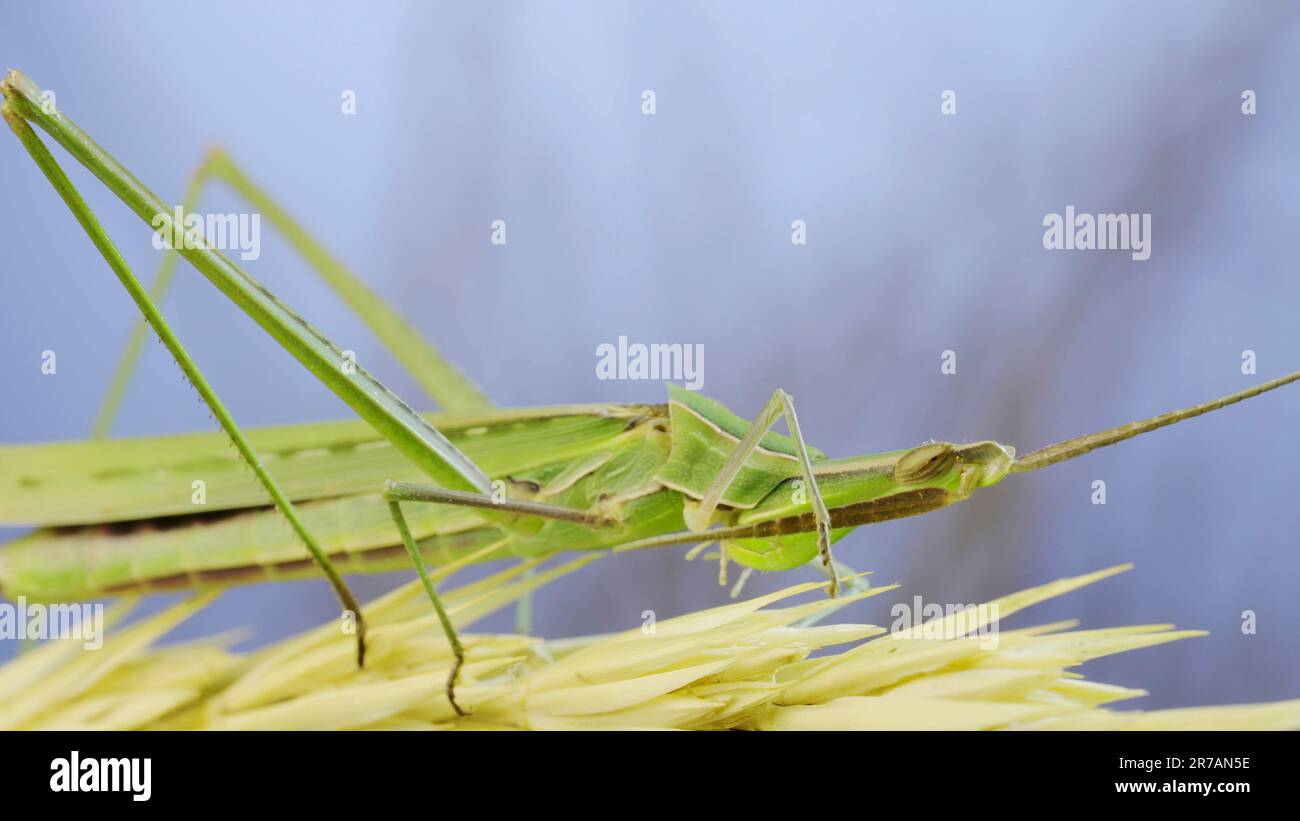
{"x": 118, "y": 516}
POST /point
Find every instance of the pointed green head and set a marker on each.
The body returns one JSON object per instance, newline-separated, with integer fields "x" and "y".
{"x": 984, "y": 462}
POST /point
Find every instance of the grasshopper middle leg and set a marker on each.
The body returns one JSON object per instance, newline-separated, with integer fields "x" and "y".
{"x": 397, "y": 492}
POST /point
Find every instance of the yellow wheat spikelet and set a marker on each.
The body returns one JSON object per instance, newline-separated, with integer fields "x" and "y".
{"x": 744, "y": 665}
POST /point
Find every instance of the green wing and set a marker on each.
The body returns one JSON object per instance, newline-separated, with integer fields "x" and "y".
{"x": 571, "y": 455}
{"x": 124, "y": 479}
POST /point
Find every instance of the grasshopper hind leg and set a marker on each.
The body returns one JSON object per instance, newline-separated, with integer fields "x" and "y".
{"x": 94, "y": 230}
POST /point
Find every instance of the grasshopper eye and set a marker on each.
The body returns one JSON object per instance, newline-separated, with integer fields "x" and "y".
{"x": 923, "y": 463}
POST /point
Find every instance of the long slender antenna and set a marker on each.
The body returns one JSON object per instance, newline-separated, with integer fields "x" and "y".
{"x": 1080, "y": 445}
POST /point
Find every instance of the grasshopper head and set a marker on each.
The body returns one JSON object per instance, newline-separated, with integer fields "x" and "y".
{"x": 994, "y": 460}
{"x": 934, "y": 462}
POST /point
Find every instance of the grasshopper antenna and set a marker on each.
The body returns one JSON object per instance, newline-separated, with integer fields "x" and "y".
{"x": 1079, "y": 445}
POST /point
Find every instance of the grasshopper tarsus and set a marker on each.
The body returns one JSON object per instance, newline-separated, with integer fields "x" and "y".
{"x": 828, "y": 561}
{"x": 452, "y": 677}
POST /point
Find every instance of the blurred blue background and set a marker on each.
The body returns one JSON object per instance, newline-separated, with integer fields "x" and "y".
{"x": 924, "y": 234}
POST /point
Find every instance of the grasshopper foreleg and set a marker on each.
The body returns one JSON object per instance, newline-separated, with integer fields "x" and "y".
{"x": 698, "y": 515}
